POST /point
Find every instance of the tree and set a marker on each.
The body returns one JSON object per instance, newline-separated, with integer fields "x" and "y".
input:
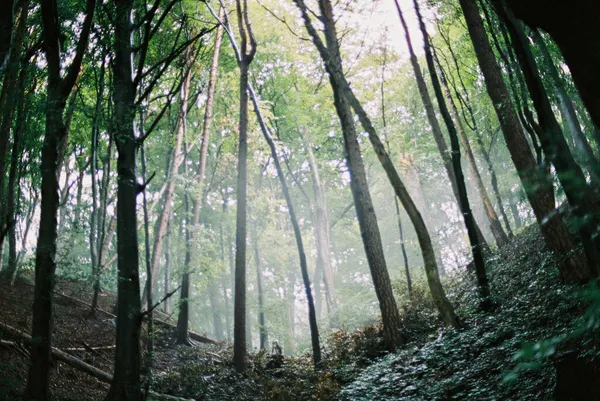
{"x": 476, "y": 246}
{"x": 346, "y": 102}
{"x": 183, "y": 317}
{"x": 126, "y": 377}
{"x": 247, "y": 52}
{"x": 574, "y": 29}
{"x": 535, "y": 181}
{"x": 434, "y": 124}
{"x": 585, "y": 202}
{"x": 58, "y": 89}
{"x": 392, "y": 324}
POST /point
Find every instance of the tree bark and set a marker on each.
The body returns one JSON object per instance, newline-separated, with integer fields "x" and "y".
{"x": 535, "y": 181}
{"x": 14, "y": 176}
{"x": 262, "y": 328}
{"x": 586, "y": 154}
{"x": 575, "y": 30}
{"x": 248, "y": 50}
{"x": 433, "y": 122}
{"x": 369, "y": 228}
{"x": 58, "y": 89}
{"x": 208, "y": 116}
{"x": 126, "y": 380}
{"x": 584, "y": 201}
{"x": 495, "y": 225}
{"x": 469, "y": 219}
{"x": 10, "y": 94}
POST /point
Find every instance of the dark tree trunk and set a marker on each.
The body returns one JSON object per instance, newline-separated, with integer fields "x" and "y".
{"x": 580, "y": 195}
{"x": 126, "y": 378}
{"x": 469, "y": 219}
{"x": 575, "y": 29}
{"x": 247, "y": 52}
{"x": 495, "y": 225}
{"x": 14, "y": 175}
{"x": 535, "y": 181}
{"x": 586, "y": 154}
{"x": 433, "y": 122}
{"x": 58, "y": 90}
{"x": 10, "y": 93}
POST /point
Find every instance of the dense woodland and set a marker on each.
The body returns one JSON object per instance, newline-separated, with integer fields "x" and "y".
{"x": 299, "y": 200}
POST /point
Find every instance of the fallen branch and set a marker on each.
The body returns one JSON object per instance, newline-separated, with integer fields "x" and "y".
{"x": 81, "y": 365}
{"x": 88, "y": 348}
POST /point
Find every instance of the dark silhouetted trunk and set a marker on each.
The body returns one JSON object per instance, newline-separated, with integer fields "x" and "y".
{"x": 469, "y": 219}
{"x": 575, "y": 29}
{"x": 168, "y": 268}
{"x": 585, "y": 152}
{"x": 585, "y": 202}
{"x": 247, "y": 52}
{"x": 126, "y": 378}
{"x": 10, "y": 93}
{"x": 535, "y": 181}
{"x": 58, "y": 90}
{"x": 495, "y": 225}
{"x": 433, "y": 122}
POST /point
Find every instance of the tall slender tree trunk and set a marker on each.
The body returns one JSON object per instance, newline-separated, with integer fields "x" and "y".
{"x": 127, "y": 370}
{"x": 369, "y": 228}
{"x": 58, "y": 89}
{"x": 247, "y": 52}
{"x": 14, "y": 175}
{"x": 467, "y": 110}
{"x": 495, "y": 225}
{"x": 321, "y": 228}
{"x": 94, "y": 217}
{"x": 345, "y": 101}
{"x": 167, "y": 276}
{"x": 397, "y": 206}
{"x": 289, "y": 342}
{"x": 208, "y": 117}
{"x": 163, "y": 218}
{"x": 8, "y": 98}
{"x": 585, "y": 202}
{"x": 262, "y": 328}
{"x": 433, "y": 122}
{"x": 535, "y": 181}
{"x": 469, "y": 219}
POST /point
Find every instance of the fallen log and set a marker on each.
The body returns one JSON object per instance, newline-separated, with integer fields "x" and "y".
{"x": 81, "y": 365}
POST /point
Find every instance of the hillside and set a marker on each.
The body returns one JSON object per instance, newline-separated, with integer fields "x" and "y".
{"x": 476, "y": 363}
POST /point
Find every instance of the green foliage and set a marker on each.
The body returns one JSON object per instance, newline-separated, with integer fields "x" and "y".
{"x": 471, "y": 364}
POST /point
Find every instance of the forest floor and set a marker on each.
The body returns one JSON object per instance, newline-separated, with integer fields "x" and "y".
{"x": 513, "y": 353}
